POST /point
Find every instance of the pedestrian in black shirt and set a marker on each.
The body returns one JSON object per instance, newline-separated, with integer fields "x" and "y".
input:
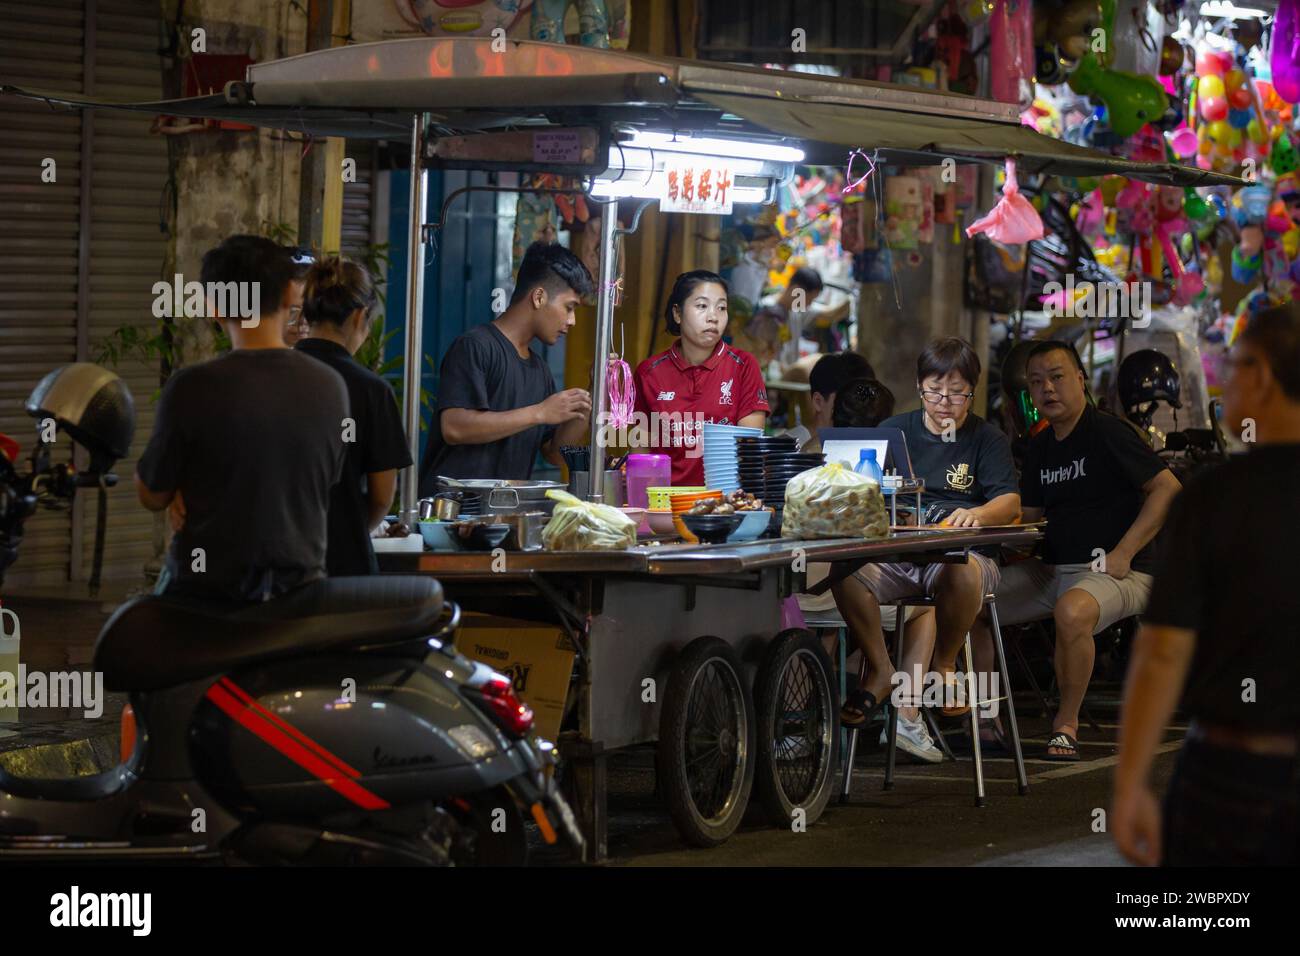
{"x": 1105, "y": 495}
{"x": 1223, "y": 630}
{"x": 246, "y": 447}
{"x": 497, "y": 403}
{"x": 337, "y": 308}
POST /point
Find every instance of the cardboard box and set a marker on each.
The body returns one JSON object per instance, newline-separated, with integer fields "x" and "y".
{"x": 538, "y": 658}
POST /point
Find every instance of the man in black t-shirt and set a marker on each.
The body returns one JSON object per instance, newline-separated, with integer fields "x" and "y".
{"x": 497, "y": 403}
{"x": 1105, "y": 494}
{"x": 251, "y": 443}
{"x": 1223, "y": 629}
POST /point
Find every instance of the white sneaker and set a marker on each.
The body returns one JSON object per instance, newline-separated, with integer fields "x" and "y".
{"x": 914, "y": 739}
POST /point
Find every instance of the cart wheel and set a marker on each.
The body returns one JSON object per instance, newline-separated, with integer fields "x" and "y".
{"x": 798, "y": 723}
{"x": 705, "y": 757}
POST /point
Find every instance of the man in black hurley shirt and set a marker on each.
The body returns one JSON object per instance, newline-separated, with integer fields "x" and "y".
{"x": 1222, "y": 629}
{"x": 1105, "y": 494}
{"x": 252, "y": 442}
{"x": 497, "y": 403}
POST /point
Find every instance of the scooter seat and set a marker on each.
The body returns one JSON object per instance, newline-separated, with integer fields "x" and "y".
{"x": 154, "y": 642}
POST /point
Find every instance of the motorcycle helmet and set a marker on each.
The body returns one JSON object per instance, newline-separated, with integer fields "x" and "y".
{"x": 1015, "y": 389}
{"x": 1145, "y": 378}
{"x": 93, "y": 406}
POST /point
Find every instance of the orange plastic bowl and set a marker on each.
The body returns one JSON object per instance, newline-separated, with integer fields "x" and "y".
{"x": 683, "y": 502}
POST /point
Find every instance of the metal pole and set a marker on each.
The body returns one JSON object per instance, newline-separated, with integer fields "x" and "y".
{"x": 412, "y": 367}
{"x": 604, "y": 333}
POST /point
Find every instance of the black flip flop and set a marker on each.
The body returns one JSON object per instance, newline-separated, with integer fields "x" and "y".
{"x": 1062, "y": 741}
{"x": 859, "y": 701}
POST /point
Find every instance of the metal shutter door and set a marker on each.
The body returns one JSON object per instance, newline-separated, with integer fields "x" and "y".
{"x": 358, "y": 199}
{"x": 41, "y": 45}
{"x": 127, "y": 253}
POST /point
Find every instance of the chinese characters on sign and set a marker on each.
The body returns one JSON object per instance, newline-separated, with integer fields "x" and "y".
{"x": 698, "y": 185}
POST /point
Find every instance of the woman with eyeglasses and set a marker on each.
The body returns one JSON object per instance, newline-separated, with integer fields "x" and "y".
{"x": 970, "y": 481}
{"x": 338, "y": 303}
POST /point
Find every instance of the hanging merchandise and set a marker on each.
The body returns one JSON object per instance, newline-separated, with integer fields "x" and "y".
{"x": 1170, "y": 222}
{"x": 1131, "y": 100}
{"x": 903, "y": 211}
{"x": 1011, "y": 51}
{"x": 852, "y": 236}
{"x": 1013, "y": 220}
{"x": 1284, "y": 51}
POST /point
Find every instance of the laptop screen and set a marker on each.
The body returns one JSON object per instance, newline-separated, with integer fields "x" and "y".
{"x": 846, "y": 444}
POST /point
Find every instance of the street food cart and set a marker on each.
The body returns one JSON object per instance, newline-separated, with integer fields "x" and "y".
{"x": 692, "y": 619}
{"x": 668, "y": 636}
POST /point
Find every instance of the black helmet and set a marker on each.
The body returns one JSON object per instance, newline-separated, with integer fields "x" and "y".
{"x": 92, "y": 405}
{"x": 1147, "y": 376}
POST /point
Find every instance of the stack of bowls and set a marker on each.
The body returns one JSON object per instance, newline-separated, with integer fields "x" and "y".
{"x": 658, "y": 497}
{"x": 751, "y": 454}
{"x": 721, "y": 468}
{"x": 780, "y": 467}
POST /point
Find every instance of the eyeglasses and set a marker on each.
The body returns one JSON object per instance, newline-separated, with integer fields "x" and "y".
{"x": 954, "y": 398}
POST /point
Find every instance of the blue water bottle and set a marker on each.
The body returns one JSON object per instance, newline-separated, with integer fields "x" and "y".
{"x": 868, "y": 466}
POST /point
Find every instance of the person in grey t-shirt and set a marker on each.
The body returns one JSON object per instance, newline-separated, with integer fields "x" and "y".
{"x": 497, "y": 403}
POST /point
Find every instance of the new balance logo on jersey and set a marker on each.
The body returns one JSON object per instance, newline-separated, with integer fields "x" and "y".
{"x": 667, "y": 396}
{"x": 1051, "y": 476}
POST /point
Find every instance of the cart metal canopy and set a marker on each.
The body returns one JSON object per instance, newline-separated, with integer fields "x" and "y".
{"x": 373, "y": 90}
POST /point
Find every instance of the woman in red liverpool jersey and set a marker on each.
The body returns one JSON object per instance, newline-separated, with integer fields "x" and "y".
{"x": 699, "y": 379}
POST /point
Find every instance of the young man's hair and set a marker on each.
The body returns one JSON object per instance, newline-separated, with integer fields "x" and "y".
{"x": 832, "y": 372}
{"x": 245, "y": 258}
{"x": 1275, "y": 333}
{"x": 336, "y": 288}
{"x": 686, "y": 284}
{"x": 862, "y": 403}
{"x": 948, "y": 355}
{"x": 554, "y": 268}
{"x": 810, "y": 280}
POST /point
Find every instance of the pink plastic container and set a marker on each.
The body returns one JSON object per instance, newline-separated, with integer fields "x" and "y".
{"x": 646, "y": 471}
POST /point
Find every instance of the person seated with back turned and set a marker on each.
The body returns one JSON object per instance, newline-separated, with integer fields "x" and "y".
{"x": 1222, "y": 632}
{"x": 1105, "y": 495}
{"x": 832, "y": 373}
{"x": 253, "y": 442}
{"x": 970, "y": 481}
{"x": 337, "y": 311}
{"x": 497, "y": 403}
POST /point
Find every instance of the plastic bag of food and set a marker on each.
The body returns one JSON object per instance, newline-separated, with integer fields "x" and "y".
{"x": 578, "y": 525}
{"x": 832, "y": 501}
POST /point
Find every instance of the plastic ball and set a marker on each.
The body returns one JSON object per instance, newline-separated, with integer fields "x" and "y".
{"x": 1211, "y": 87}
{"x": 1219, "y": 131}
{"x": 1234, "y": 79}
{"x": 1256, "y": 132}
{"x": 1214, "y": 108}
{"x": 1208, "y": 64}
{"x": 1239, "y": 99}
{"x": 1204, "y": 147}
{"x": 1235, "y": 138}
{"x": 1240, "y": 119}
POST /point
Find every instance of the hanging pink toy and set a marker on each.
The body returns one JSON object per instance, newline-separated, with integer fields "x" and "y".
{"x": 1284, "y": 52}
{"x": 1013, "y": 220}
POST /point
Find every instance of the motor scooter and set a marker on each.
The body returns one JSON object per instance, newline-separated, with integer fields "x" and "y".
{"x": 334, "y": 725}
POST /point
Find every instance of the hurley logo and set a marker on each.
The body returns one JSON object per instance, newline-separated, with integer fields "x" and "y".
{"x": 667, "y": 396}
{"x": 1051, "y": 476}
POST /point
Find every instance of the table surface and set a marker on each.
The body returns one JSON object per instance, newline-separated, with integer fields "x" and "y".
{"x": 688, "y": 559}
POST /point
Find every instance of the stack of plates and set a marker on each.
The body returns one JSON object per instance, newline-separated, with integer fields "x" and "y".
{"x": 767, "y": 465}
{"x": 721, "y": 468}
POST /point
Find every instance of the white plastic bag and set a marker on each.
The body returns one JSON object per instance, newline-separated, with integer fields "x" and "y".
{"x": 578, "y": 525}
{"x": 832, "y": 501}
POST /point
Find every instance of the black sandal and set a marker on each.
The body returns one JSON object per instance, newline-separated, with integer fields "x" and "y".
{"x": 859, "y": 707}
{"x": 1062, "y": 741}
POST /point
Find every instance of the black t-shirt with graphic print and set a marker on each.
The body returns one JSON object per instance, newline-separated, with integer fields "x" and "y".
{"x": 969, "y": 471}
{"x": 1090, "y": 487}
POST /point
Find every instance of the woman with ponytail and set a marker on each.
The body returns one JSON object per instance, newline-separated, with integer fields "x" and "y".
{"x": 337, "y": 304}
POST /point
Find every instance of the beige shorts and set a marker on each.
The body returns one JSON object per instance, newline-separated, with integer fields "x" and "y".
{"x": 892, "y": 582}
{"x": 1030, "y": 589}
